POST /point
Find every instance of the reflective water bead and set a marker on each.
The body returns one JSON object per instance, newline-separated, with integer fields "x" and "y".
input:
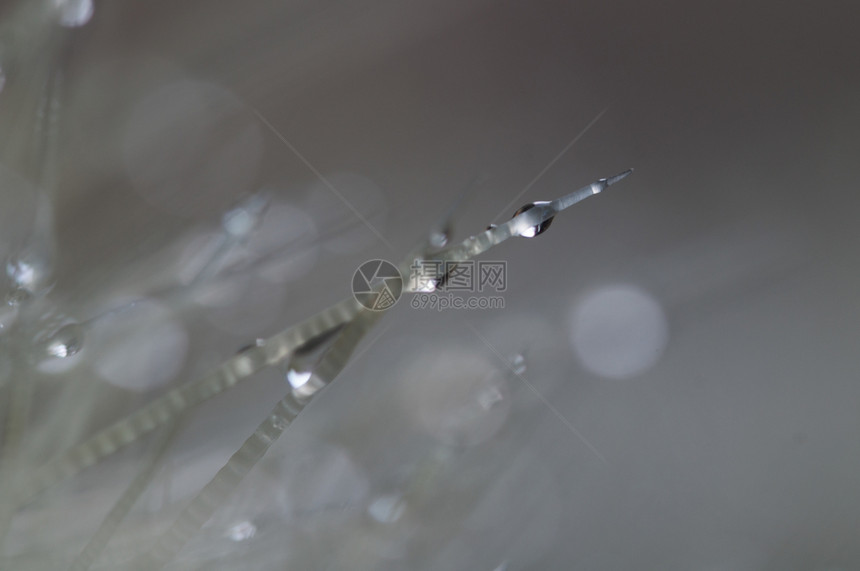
{"x": 67, "y": 341}
{"x": 298, "y": 378}
{"x": 242, "y": 531}
{"x": 533, "y": 231}
{"x": 518, "y": 364}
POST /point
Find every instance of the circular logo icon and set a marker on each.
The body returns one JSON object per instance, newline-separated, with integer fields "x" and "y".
{"x": 377, "y": 284}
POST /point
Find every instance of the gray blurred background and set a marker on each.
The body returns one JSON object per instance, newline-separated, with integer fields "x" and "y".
{"x": 689, "y": 382}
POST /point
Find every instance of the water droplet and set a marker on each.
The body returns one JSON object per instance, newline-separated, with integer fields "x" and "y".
{"x": 22, "y": 273}
{"x": 66, "y": 341}
{"x": 438, "y": 238}
{"x": 298, "y": 378}
{"x": 458, "y": 398}
{"x": 618, "y": 331}
{"x": 489, "y": 398}
{"x": 74, "y": 13}
{"x": 140, "y": 348}
{"x": 533, "y": 231}
{"x": 242, "y": 531}
{"x": 518, "y": 364}
{"x": 387, "y": 508}
{"x": 18, "y": 296}
{"x": 246, "y": 217}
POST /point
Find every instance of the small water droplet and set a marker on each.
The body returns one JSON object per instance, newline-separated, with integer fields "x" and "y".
{"x": 387, "y": 508}
{"x": 438, "y": 238}
{"x": 242, "y": 531}
{"x": 298, "y": 378}
{"x": 518, "y": 364}
{"x": 533, "y": 231}
{"x": 66, "y": 341}
{"x": 245, "y": 218}
{"x": 18, "y": 296}
{"x": 22, "y": 273}
{"x": 74, "y": 13}
{"x": 490, "y": 397}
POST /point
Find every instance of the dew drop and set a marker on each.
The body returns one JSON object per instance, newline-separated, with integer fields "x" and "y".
{"x": 458, "y": 398}
{"x": 438, "y": 238}
{"x": 22, "y": 273}
{"x": 298, "y": 378}
{"x": 387, "y": 508}
{"x": 489, "y": 398}
{"x": 533, "y": 231}
{"x": 245, "y": 218}
{"x": 66, "y": 341}
{"x": 242, "y": 531}
{"x": 18, "y": 296}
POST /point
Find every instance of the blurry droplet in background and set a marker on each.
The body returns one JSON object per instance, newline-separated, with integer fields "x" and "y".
{"x": 139, "y": 348}
{"x": 242, "y": 220}
{"x": 438, "y": 238}
{"x": 618, "y": 331}
{"x": 242, "y": 531}
{"x": 320, "y": 479}
{"x": 286, "y": 242}
{"x": 74, "y": 13}
{"x": 458, "y": 397}
{"x": 17, "y": 297}
{"x": 386, "y": 508}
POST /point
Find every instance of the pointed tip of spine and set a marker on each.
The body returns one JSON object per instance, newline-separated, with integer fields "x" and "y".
{"x": 613, "y": 179}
